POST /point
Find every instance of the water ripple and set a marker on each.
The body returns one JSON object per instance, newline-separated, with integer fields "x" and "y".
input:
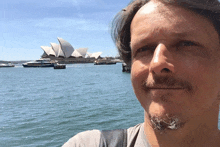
{"x": 45, "y": 107}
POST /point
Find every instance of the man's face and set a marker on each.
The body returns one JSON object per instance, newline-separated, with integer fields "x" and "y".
{"x": 175, "y": 62}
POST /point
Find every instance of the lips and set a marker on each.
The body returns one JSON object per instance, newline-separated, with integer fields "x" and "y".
{"x": 165, "y": 88}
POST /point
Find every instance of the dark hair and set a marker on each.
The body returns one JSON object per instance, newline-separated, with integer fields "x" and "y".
{"x": 122, "y": 21}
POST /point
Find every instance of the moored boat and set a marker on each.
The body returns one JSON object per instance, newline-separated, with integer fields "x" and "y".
{"x": 104, "y": 62}
{"x": 39, "y": 63}
{"x": 7, "y": 65}
{"x": 59, "y": 66}
{"x": 126, "y": 68}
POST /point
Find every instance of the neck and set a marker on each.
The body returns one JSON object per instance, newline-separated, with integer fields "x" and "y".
{"x": 198, "y": 131}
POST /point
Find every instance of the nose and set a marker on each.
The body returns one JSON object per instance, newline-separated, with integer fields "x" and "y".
{"x": 162, "y": 61}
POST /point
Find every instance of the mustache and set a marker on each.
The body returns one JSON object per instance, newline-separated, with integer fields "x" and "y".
{"x": 167, "y": 82}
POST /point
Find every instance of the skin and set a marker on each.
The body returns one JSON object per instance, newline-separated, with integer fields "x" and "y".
{"x": 170, "y": 42}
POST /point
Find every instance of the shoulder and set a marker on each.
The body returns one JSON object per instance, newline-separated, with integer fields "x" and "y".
{"x": 84, "y": 139}
{"x": 92, "y": 137}
{"x": 132, "y": 131}
{"x": 134, "y": 134}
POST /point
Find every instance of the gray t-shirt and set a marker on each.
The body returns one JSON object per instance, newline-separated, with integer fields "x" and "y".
{"x": 135, "y": 138}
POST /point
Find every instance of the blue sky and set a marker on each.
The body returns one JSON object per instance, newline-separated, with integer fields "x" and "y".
{"x": 28, "y": 24}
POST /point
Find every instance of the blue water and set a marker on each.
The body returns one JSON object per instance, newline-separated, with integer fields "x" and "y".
{"x": 45, "y": 107}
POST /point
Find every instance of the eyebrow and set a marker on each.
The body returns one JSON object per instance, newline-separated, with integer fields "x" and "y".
{"x": 176, "y": 35}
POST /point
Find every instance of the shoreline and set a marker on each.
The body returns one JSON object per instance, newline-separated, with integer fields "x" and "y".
{"x": 68, "y": 60}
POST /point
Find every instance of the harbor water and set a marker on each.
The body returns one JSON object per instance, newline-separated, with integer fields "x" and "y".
{"x": 45, "y": 107}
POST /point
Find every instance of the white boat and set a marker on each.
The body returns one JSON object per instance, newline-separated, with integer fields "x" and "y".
{"x": 39, "y": 63}
{"x": 104, "y": 62}
{"x": 7, "y": 65}
{"x": 59, "y": 66}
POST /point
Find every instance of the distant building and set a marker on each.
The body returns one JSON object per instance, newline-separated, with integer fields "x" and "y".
{"x": 48, "y": 51}
{"x": 79, "y": 53}
{"x": 96, "y": 55}
{"x": 65, "y": 51}
{"x": 66, "y": 47}
{"x": 82, "y": 51}
{"x": 57, "y": 49}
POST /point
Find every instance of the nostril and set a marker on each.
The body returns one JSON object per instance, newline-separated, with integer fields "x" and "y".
{"x": 165, "y": 70}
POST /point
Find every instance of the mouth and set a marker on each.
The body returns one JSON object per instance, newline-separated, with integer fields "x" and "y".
{"x": 164, "y": 88}
{"x": 166, "y": 84}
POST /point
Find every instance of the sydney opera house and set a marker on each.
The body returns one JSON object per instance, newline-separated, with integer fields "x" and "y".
{"x": 65, "y": 53}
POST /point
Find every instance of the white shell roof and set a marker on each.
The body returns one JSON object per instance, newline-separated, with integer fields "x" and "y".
{"x": 76, "y": 54}
{"x": 82, "y": 51}
{"x": 57, "y": 49}
{"x": 44, "y": 54}
{"x": 66, "y": 47}
{"x": 95, "y": 55}
{"x": 48, "y": 50}
{"x": 88, "y": 54}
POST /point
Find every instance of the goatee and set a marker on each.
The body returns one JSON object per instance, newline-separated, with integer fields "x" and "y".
{"x": 170, "y": 123}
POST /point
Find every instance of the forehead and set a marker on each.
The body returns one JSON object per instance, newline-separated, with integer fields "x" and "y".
{"x": 170, "y": 21}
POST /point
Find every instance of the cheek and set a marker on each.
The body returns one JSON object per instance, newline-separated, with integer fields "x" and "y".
{"x": 187, "y": 64}
{"x": 199, "y": 72}
{"x": 194, "y": 70}
{"x": 204, "y": 78}
{"x": 139, "y": 74}
{"x": 136, "y": 71}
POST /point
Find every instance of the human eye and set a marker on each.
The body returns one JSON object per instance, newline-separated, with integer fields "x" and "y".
{"x": 144, "y": 51}
{"x": 148, "y": 49}
{"x": 186, "y": 43}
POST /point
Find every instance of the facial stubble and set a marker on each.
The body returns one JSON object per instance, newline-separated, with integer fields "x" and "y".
{"x": 167, "y": 122}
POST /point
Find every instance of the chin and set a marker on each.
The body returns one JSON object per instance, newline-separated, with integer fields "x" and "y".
{"x": 165, "y": 117}
{"x": 164, "y": 109}
{"x": 164, "y": 124}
